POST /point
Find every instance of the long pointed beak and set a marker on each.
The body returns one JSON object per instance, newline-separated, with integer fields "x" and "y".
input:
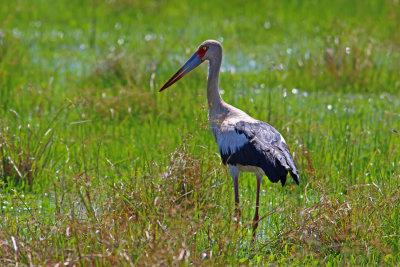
{"x": 192, "y": 63}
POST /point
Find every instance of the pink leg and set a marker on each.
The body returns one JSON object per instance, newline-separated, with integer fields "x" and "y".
{"x": 256, "y": 217}
{"x": 235, "y": 177}
{"x": 237, "y": 207}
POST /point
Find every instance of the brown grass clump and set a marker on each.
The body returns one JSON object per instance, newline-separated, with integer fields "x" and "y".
{"x": 22, "y": 157}
{"x": 352, "y": 223}
{"x": 177, "y": 216}
{"x": 171, "y": 219}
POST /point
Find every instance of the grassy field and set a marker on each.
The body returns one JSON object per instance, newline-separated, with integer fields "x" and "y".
{"x": 98, "y": 168}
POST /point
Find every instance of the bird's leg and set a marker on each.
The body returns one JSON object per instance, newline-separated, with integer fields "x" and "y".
{"x": 235, "y": 177}
{"x": 256, "y": 217}
{"x": 237, "y": 207}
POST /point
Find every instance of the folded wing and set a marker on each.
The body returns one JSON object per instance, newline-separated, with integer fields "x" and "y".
{"x": 257, "y": 144}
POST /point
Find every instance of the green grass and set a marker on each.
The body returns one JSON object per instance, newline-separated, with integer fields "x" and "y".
{"x": 97, "y": 168}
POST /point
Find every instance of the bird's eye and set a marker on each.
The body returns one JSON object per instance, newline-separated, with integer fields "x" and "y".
{"x": 204, "y": 48}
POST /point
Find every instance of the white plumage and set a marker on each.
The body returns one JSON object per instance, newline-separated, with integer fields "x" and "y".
{"x": 230, "y": 141}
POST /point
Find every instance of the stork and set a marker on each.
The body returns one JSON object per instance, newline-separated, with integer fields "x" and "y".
{"x": 245, "y": 144}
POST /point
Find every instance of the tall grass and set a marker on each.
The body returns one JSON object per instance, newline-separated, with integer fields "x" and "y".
{"x": 98, "y": 168}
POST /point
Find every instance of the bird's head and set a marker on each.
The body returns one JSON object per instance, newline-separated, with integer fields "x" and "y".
{"x": 206, "y": 51}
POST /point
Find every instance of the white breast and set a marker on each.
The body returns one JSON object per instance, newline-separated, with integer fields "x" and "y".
{"x": 230, "y": 141}
{"x": 248, "y": 168}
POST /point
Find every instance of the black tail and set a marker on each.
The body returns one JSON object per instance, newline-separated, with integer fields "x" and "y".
{"x": 295, "y": 176}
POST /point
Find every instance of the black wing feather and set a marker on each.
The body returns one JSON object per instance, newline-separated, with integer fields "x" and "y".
{"x": 265, "y": 149}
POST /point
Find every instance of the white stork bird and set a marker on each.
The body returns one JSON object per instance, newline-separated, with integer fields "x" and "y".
{"x": 245, "y": 144}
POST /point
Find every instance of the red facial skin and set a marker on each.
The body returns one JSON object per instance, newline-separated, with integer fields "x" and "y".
{"x": 202, "y": 51}
{"x": 187, "y": 68}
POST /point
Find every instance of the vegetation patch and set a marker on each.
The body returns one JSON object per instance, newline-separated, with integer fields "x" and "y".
{"x": 98, "y": 168}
